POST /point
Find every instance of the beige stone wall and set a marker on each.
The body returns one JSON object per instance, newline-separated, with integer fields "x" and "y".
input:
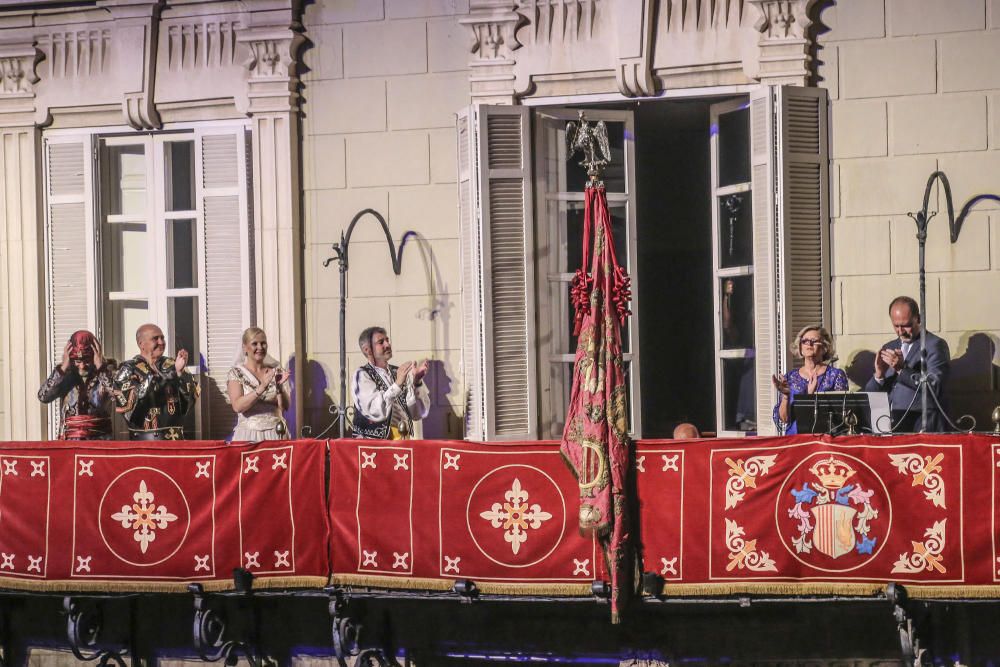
{"x": 385, "y": 79}
{"x": 914, "y": 89}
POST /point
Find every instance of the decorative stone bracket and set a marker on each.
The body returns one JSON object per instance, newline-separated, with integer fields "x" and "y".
{"x": 17, "y": 69}
{"x": 785, "y": 41}
{"x": 273, "y": 67}
{"x": 137, "y": 32}
{"x": 494, "y": 25}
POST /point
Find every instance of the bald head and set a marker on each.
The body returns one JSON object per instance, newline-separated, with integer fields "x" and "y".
{"x": 685, "y": 431}
{"x": 150, "y": 340}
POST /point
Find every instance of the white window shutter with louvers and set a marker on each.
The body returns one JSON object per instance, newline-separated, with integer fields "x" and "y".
{"x": 790, "y": 172}
{"x": 222, "y": 197}
{"x": 472, "y": 302}
{"x": 498, "y": 276}
{"x": 69, "y": 245}
{"x": 804, "y": 208}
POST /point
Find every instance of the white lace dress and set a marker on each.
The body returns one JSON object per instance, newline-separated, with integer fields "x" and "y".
{"x": 261, "y": 420}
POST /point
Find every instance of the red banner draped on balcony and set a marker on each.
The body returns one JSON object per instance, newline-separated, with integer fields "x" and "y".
{"x": 137, "y": 517}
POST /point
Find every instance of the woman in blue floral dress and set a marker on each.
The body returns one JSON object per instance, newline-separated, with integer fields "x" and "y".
{"x": 815, "y": 347}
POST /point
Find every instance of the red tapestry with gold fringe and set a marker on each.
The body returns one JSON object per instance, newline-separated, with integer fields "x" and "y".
{"x": 595, "y": 440}
{"x": 423, "y": 514}
{"x": 154, "y": 517}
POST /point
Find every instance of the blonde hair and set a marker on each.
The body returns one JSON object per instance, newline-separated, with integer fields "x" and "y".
{"x": 830, "y": 351}
{"x": 251, "y": 333}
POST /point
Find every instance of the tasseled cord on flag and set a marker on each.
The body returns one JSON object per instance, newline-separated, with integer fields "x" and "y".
{"x": 595, "y": 441}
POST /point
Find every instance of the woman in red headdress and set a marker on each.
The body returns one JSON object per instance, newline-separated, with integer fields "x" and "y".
{"x": 83, "y": 383}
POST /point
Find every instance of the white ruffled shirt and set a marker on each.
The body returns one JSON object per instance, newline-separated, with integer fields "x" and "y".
{"x": 377, "y": 405}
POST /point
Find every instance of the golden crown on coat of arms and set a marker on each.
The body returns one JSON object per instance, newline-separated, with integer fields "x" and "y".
{"x": 832, "y": 472}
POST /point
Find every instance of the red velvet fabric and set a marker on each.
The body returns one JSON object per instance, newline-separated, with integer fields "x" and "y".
{"x": 131, "y": 516}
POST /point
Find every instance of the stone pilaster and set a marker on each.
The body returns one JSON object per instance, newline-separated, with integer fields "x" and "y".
{"x": 22, "y": 284}
{"x": 494, "y": 25}
{"x": 273, "y": 106}
{"x": 785, "y": 42}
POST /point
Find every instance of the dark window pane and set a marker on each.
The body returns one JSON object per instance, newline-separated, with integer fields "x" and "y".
{"x": 182, "y": 254}
{"x": 739, "y": 397}
{"x": 614, "y": 173}
{"x": 178, "y": 174}
{"x": 183, "y": 314}
{"x": 734, "y": 147}
{"x": 736, "y": 297}
{"x": 735, "y": 230}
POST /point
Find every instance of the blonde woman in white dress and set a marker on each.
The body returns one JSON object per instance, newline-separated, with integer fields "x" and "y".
{"x": 258, "y": 391}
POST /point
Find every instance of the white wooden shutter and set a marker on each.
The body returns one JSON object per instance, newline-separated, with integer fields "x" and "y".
{"x": 498, "y": 276}
{"x": 222, "y": 198}
{"x": 790, "y": 162}
{"x": 472, "y": 301}
{"x": 69, "y": 245}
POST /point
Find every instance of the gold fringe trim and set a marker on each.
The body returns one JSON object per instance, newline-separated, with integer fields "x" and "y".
{"x": 915, "y": 591}
{"x": 115, "y": 586}
{"x": 488, "y": 587}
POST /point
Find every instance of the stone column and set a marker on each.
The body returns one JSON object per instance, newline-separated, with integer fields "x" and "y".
{"x": 785, "y": 42}
{"x": 273, "y": 105}
{"x": 22, "y": 263}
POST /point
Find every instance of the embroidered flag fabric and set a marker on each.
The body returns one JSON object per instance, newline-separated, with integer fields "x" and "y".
{"x": 595, "y": 440}
{"x": 155, "y": 517}
{"x": 423, "y": 514}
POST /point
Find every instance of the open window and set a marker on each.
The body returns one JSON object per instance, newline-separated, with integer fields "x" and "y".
{"x": 158, "y": 225}
{"x": 726, "y": 241}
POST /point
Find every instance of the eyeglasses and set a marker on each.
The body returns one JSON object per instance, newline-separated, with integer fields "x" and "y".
{"x": 811, "y": 342}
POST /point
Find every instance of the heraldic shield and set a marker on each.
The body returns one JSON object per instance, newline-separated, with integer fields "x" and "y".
{"x": 834, "y": 533}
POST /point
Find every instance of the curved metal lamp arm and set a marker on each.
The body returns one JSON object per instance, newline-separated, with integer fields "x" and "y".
{"x": 340, "y": 254}
{"x": 954, "y": 224}
{"x": 923, "y": 218}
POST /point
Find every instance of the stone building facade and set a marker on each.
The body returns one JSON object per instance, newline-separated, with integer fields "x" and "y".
{"x": 818, "y": 122}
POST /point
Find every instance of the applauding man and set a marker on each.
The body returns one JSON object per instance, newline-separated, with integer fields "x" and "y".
{"x": 154, "y": 392}
{"x": 387, "y": 398}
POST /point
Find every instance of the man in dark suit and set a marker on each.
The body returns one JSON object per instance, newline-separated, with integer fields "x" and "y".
{"x": 898, "y": 370}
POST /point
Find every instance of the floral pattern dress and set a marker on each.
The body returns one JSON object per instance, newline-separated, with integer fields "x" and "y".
{"x": 832, "y": 379}
{"x": 262, "y": 419}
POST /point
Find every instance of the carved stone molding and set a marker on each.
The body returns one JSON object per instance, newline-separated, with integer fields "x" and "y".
{"x": 78, "y": 53}
{"x": 17, "y": 69}
{"x": 193, "y": 46}
{"x": 554, "y": 21}
{"x": 494, "y": 25}
{"x": 273, "y": 81}
{"x": 701, "y": 14}
{"x": 137, "y": 33}
{"x": 634, "y": 27}
{"x": 785, "y": 40}
{"x": 17, "y": 83}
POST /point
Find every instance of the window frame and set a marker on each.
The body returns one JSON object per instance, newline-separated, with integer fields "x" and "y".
{"x": 157, "y": 217}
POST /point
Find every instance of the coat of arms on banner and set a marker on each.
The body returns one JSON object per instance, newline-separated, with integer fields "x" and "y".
{"x": 833, "y": 512}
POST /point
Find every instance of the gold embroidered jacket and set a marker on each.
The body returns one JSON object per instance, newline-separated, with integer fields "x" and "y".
{"x": 153, "y": 398}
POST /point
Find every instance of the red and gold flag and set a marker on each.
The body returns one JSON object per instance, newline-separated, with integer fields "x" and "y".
{"x": 595, "y": 441}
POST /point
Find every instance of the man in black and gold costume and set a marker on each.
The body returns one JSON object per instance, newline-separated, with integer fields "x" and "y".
{"x": 154, "y": 392}
{"x": 82, "y": 382}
